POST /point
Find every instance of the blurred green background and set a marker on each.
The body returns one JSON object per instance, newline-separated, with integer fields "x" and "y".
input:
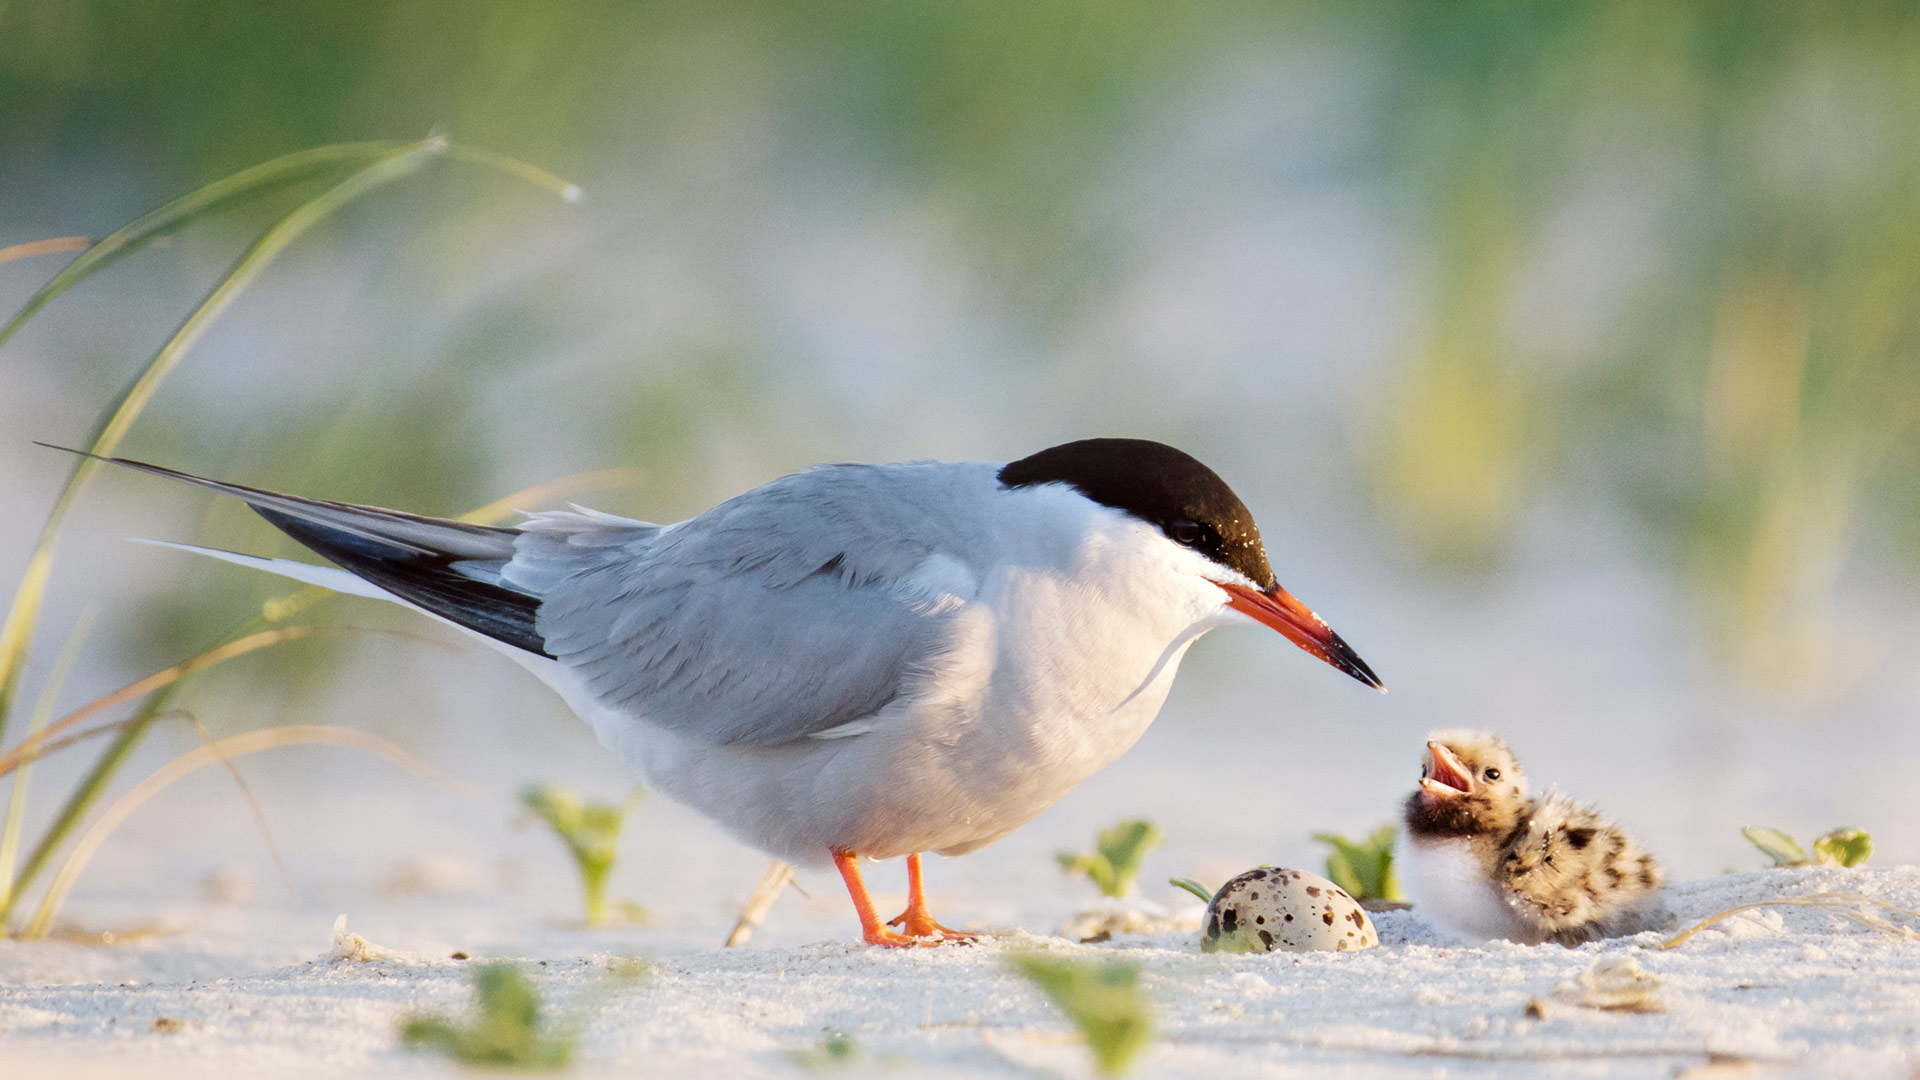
{"x": 1469, "y": 300}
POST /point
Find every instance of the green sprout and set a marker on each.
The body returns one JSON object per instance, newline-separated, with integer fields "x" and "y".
{"x": 1843, "y": 847}
{"x": 1835, "y": 847}
{"x": 507, "y": 1032}
{"x": 591, "y": 832}
{"x": 1205, "y": 894}
{"x": 1116, "y": 858}
{"x": 835, "y": 1048}
{"x": 1364, "y": 868}
{"x": 1103, "y": 999}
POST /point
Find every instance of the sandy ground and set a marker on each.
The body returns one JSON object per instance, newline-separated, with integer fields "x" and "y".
{"x": 254, "y": 989}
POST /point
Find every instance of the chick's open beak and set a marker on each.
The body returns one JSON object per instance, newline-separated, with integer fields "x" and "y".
{"x": 1277, "y": 608}
{"x": 1446, "y": 775}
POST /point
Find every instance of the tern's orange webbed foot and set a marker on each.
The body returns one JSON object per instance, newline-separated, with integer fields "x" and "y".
{"x": 917, "y": 920}
{"x": 888, "y": 939}
{"x": 920, "y": 926}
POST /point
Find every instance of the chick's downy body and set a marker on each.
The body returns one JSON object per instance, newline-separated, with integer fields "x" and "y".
{"x": 1484, "y": 858}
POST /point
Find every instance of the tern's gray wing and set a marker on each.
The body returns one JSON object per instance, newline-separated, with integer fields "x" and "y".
{"x": 780, "y": 614}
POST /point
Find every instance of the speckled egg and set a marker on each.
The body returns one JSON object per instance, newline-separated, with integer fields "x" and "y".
{"x": 1275, "y": 909}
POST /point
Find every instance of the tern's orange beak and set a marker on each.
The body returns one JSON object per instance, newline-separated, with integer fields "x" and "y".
{"x": 1277, "y": 608}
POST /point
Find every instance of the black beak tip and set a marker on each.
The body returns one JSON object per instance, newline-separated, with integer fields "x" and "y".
{"x": 1347, "y": 660}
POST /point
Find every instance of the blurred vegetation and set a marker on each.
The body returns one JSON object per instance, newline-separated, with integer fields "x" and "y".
{"x": 590, "y": 831}
{"x": 1668, "y": 254}
{"x": 1364, "y": 868}
{"x": 1102, "y": 998}
{"x": 1115, "y": 861}
{"x": 1844, "y": 846}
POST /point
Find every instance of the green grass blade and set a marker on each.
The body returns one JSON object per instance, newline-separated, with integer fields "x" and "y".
{"x": 42, "y": 713}
{"x": 222, "y": 194}
{"x": 1205, "y": 894}
{"x": 532, "y": 174}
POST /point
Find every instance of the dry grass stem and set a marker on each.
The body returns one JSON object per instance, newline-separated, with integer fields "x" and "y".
{"x": 33, "y": 746}
{"x": 54, "y": 246}
{"x": 558, "y": 488}
{"x": 1853, "y": 907}
{"x": 220, "y": 750}
{"x": 772, "y": 883}
{"x": 246, "y": 793}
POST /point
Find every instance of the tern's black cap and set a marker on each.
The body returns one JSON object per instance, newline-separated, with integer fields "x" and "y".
{"x": 1160, "y": 485}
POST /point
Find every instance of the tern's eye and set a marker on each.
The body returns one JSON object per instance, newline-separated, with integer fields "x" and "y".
{"x": 1492, "y": 773}
{"x": 1185, "y": 532}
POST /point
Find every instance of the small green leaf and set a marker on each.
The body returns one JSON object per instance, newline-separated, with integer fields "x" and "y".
{"x": 506, "y": 1031}
{"x": 1363, "y": 868}
{"x": 1205, "y": 894}
{"x": 591, "y": 833}
{"x": 1122, "y": 847}
{"x": 1843, "y": 847}
{"x": 835, "y": 1049}
{"x": 1102, "y": 999}
{"x": 1784, "y": 850}
{"x": 1116, "y": 858}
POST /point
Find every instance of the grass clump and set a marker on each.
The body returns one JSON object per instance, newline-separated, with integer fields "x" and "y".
{"x": 591, "y": 832}
{"x": 1117, "y": 852}
{"x": 1103, "y": 999}
{"x": 328, "y": 177}
{"x": 506, "y": 1030}
{"x": 1364, "y": 868}
{"x": 836, "y": 1049}
{"x": 1835, "y": 847}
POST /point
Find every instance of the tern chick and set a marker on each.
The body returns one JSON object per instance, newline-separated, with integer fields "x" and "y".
{"x": 1484, "y": 859}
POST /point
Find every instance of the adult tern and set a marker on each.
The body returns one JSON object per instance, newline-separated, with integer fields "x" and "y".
{"x": 854, "y": 660}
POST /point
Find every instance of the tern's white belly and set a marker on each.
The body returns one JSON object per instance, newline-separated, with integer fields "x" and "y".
{"x": 909, "y": 784}
{"x": 988, "y": 739}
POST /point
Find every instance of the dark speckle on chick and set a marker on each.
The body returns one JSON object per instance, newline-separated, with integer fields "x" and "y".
{"x": 1483, "y": 858}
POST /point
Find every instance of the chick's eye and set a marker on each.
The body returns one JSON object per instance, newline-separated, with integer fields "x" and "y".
{"x": 1185, "y": 532}
{"x": 1492, "y": 774}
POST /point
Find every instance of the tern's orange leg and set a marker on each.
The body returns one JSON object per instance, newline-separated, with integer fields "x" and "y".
{"x": 870, "y": 925}
{"x": 917, "y": 921}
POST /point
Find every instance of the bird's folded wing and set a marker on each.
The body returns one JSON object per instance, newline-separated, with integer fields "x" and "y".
{"x": 737, "y": 627}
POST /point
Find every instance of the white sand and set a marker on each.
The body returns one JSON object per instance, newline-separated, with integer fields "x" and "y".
{"x": 255, "y": 990}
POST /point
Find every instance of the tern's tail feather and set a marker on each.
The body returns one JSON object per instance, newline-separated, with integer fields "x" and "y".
{"x": 448, "y": 568}
{"x": 327, "y": 577}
